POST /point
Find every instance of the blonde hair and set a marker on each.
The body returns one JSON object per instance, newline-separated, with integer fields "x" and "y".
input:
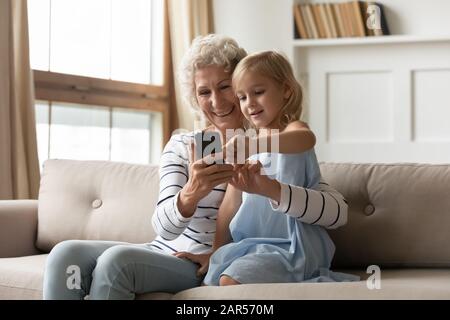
{"x": 275, "y": 66}
{"x": 212, "y": 49}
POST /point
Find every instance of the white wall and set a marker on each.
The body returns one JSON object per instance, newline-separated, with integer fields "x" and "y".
{"x": 267, "y": 24}
{"x": 430, "y": 17}
{"x": 256, "y": 24}
{"x": 370, "y": 102}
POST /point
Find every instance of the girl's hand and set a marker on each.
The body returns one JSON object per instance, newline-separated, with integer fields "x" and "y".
{"x": 248, "y": 178}
{"x": 201, "y": 259}
{"x": 203, "y": 177}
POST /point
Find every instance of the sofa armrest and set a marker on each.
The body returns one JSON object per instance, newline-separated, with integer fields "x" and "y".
{"x": 18, "y": 228}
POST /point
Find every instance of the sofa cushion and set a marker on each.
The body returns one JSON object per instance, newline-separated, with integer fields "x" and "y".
{"x": 395, "y": 284}
{"x": 22, "y": 278}
{"x": 96, "y": 200}
{"x": 399, "y": 214}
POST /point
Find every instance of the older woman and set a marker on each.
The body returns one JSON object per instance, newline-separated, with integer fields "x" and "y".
{"x": 189, "y": 197}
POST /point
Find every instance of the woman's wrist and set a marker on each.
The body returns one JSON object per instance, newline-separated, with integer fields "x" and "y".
{"x": 187, "y": 203}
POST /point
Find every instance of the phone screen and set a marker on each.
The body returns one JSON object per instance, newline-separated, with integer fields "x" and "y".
{"x": 207, "y": 143}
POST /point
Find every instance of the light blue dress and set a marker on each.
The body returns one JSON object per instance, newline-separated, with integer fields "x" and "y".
{"x": 270, "y": 246}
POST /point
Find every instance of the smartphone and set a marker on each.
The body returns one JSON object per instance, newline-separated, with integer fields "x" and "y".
{"x": 207, "y": 143}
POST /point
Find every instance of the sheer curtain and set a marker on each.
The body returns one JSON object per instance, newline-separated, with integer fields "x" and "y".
{"x": 187, "y": 19}
{"x": 19, "y": 165}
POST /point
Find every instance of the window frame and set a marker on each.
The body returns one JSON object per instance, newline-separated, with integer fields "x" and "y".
{"x": 68, "y": 88}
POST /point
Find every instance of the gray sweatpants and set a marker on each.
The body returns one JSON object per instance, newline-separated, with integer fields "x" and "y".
{"x": 113, "y": 270}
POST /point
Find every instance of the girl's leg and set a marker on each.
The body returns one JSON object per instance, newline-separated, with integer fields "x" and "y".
{"x": 69, "y": 266}
{"x": 125, "y": 270}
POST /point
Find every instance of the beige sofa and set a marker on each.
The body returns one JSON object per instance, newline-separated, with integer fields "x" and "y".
{"x": 399, "y": 220}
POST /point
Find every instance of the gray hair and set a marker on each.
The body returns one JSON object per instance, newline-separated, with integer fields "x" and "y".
{"x": 212, "y": 49}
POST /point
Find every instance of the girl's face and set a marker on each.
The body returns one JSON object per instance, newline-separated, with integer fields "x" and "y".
{"x": 216, "y": 97}
{"x": 261, "y": 99}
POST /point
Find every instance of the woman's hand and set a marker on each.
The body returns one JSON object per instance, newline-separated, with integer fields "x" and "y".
{"x": 203, "y": 177}
{"x": 201, "y": 259}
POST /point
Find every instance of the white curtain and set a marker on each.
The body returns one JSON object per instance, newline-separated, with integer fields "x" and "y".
{"x": 19, "y": 164}
{"x": 187, "y": 19}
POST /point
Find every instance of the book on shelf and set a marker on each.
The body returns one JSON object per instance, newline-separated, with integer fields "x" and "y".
{"x": 348, "y": 25}
{"x": 357, "y": 18}
{"x": 320, "y": 21}
{"x": 336, "y": 20}
{"x": 326, "y": 22}
{"x": 369, "y": 30}
{"x": 306, "y": 21}
{"x": 311, "y": 21}
{"x": 331, "y": 20}
{"x": 378, "y": 13}
{"x": 300, "y": 23}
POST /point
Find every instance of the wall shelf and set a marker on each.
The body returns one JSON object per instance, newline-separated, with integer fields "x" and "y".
{"x": 299, "y": 43}
{"x": 380, "y": 98}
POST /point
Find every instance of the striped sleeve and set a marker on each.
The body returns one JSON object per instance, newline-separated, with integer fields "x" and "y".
{"x": 325, "y": 207}
{"x": 167, "y": 220}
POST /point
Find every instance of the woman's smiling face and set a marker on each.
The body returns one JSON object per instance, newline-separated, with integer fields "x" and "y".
{"x": 216, "y": 97}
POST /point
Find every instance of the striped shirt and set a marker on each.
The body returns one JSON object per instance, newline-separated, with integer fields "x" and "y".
{"x": 325, "y": 207}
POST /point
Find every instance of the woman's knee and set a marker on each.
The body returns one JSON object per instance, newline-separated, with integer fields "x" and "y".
{"x": 227, "y": 281}
{"x": 114, "y": 274}
{"x": 67, "y": 252}
{"x": 66, "y": 261}
{"x": 115, "y": 258}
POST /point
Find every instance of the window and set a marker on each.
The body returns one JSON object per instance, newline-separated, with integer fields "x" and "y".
{"x": 72, "y": 131}
{"x": 100, "y": 71}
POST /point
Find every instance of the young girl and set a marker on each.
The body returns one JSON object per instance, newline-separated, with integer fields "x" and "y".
{"x": 269, "y": 243}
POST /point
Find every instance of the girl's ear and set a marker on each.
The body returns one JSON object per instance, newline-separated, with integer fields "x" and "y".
{"x": 287, "y": 91}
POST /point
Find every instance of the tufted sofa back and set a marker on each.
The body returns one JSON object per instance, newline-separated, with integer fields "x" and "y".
{"x": 96, "y": 200}
{"x": 399, "y": 214}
